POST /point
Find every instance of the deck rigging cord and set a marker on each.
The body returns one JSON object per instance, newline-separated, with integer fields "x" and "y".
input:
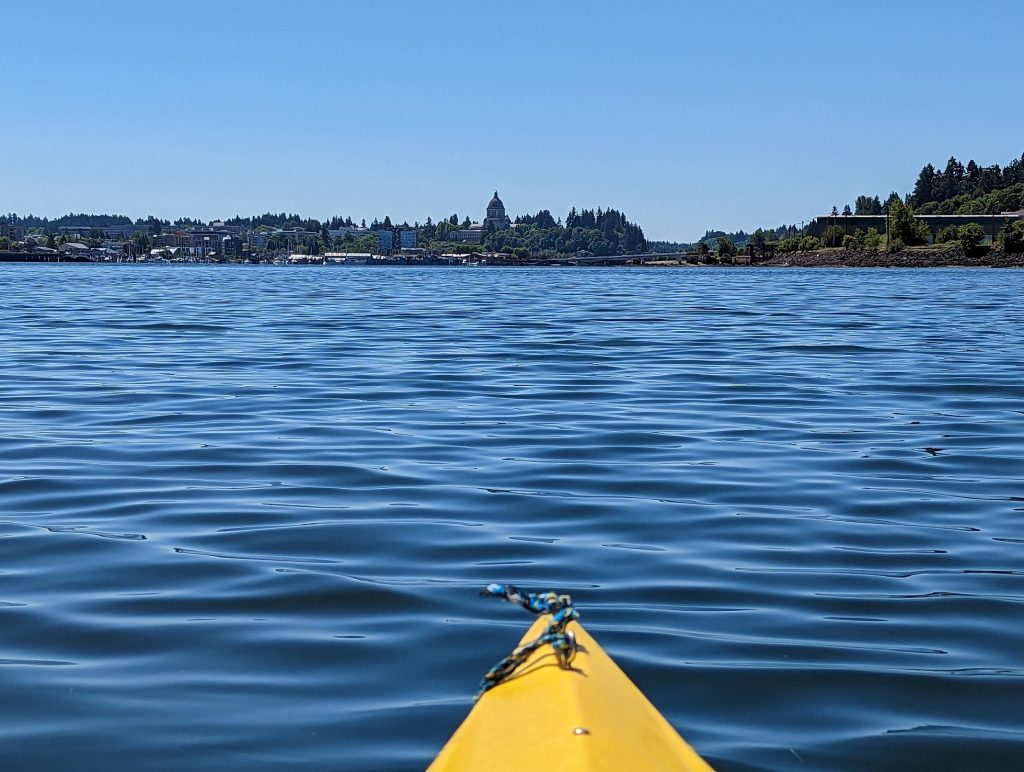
{"x": 563, "y": 642}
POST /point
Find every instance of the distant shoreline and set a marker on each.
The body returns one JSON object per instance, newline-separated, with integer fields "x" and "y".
{"x": 910, "y": 258}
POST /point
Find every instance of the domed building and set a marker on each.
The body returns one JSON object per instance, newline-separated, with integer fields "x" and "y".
{"x": 494, "y": 220}
{"x": 496, "y": 216}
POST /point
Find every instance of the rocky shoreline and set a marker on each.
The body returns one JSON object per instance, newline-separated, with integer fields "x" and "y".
{"x": 953, "y": 257}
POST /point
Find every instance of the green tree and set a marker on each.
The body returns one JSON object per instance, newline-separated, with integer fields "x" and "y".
{"x": 924, "y": 188}
{"x": 970, "y": 235}
{"x": 903, "y": 227}
{"x": 873, "y": 239}
{"x": 867, "y": 205}
{"x": 1012, "y": 236}
{"x": 725, "y": 246}
{"x": 5, "y": 244}
{"x": 833, "y": 236}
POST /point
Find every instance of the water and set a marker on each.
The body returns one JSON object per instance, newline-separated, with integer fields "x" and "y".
{"x": 245, "y": 512}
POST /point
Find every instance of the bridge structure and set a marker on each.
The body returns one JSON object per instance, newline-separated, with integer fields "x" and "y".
{"x": 636, "y": 259}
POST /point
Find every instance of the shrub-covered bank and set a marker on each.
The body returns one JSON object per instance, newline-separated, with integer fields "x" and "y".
{"x": 948, "y": 257}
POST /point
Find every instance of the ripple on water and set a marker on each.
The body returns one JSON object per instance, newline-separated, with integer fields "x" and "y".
{"x": 246, "y": 510}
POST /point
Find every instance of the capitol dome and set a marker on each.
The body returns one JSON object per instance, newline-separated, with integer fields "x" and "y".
{"x": 496, "y": 219}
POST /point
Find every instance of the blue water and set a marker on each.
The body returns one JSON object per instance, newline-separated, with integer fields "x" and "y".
{"x": 245, "y": 511}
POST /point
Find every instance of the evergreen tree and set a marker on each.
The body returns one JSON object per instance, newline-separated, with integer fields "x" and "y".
{"x": 924, "y": 188}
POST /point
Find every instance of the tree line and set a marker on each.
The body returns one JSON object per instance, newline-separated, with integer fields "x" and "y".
{"x": 956, "y": 185}
{"x": 956, "y": 189}
{"x": 587, "y": 231}
{"x": 595, "y": 231}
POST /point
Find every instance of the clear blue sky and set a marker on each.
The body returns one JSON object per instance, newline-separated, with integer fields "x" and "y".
{"x": 684, "y": 115}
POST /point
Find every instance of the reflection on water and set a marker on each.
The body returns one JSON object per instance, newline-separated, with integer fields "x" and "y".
{"x": 245, "y": 512}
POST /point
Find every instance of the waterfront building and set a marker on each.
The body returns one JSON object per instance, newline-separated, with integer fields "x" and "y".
{"x": 385, "y": 240}
{"x": 164, "y": 240}
{"x": 74, "y": 249}
{"x": 13, "y": 232}
{"x": 230, "y": 246}
{"x": 203, "y": 241}
{"x": 289, "y": 237}
{"x": 112, "y": 233}
{"x": 407, "y": 239}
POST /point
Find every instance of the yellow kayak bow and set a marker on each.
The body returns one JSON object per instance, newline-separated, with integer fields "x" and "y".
{"x": 543, "y": 716}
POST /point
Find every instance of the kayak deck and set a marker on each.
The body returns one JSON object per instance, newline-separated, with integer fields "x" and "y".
{"x": 591, "y": 717}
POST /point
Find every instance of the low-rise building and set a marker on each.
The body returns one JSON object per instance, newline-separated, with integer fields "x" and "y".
{"x": 258, "y": 239}
{"x": 75, "y": 249}
{"x": 164, "y": 240}
{"x": 347, "y": 230}
{"x": 230, "y": 246}
{"x": 11, "y": 231}
{"x": 112, "y": 233}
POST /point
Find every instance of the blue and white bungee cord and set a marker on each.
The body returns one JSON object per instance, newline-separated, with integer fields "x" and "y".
{"x": 563, "y": 642}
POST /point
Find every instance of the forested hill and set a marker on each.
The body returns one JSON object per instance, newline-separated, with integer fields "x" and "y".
{"x": 71, "y": 220}
{"x": 158, "y": 225}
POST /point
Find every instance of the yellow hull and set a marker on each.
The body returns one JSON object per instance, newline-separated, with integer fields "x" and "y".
{"x": 545, "y": 718}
